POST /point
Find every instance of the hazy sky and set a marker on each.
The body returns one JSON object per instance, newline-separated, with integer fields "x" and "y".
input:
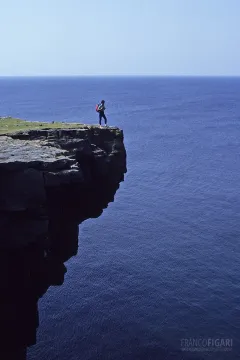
{"x": 120, "y": 37}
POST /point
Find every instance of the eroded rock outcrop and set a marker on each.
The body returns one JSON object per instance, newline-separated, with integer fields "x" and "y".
{"x": 50, "y": 181}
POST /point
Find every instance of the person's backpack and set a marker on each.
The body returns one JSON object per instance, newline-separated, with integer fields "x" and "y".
{"x": 97, "y": 109}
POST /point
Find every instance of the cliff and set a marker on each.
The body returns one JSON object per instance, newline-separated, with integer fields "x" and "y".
{"x": 50, "y": 181}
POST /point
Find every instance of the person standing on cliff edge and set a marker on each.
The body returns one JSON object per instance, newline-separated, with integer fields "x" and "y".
{"x": 100, "y": 108}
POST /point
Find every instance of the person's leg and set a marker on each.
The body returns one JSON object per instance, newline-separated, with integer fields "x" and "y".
{"x": 105, "y": 119}
{"x": 100, "y": 118}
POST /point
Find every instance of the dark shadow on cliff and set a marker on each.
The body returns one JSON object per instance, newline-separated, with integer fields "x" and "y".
{"x": 27, "y": 272}
{"x": 26, "y": 275}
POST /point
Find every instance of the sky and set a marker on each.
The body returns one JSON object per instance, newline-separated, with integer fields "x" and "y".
{"x": 120, "y": 37}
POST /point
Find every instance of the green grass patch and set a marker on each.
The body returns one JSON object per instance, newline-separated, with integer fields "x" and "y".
{"x": 10, "y": 125}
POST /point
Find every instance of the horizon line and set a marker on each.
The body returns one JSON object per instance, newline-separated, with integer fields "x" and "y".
{"x": 119, "y": 76}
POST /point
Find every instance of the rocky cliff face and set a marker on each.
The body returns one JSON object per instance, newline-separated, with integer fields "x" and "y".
{"x": 50, "y": 181}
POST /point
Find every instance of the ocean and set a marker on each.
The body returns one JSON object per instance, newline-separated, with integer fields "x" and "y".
{"x": 161, "y": 267}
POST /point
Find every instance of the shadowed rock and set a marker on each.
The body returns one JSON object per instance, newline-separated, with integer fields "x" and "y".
{"x": 50, "y": 181}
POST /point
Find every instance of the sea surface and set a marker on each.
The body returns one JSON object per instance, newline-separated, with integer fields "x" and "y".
{"x": 161, "y": 266}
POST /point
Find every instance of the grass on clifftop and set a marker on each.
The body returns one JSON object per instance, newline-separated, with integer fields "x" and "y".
{"x": 9, "y": 125}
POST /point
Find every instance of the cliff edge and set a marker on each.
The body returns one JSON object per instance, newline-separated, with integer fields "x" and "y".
{"x": 67, "y": 173}
{"x": 50, "y": 181}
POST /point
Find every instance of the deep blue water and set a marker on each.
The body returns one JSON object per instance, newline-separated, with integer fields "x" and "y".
{"x": 162, "y": 263}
